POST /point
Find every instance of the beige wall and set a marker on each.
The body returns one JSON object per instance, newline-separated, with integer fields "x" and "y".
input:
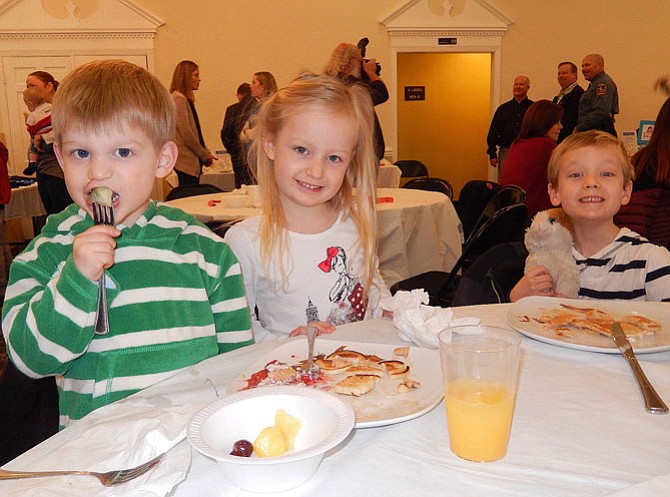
{"x": 232, "y": 39}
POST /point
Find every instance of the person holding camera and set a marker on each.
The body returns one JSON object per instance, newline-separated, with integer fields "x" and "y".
{"x": 347, "y": 63}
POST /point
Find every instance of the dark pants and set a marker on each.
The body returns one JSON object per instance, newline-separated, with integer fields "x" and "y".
{"x": 187, "y": 179}
{"x": 53, "y": 193}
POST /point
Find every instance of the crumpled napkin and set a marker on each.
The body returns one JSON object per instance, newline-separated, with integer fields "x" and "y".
{"x": 123, "y": 437}
{"x": 420, "y": 323}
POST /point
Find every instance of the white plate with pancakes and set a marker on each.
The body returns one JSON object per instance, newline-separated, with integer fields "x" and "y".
{"x": 405, "y": 387}
{"x": 585, "y": 324}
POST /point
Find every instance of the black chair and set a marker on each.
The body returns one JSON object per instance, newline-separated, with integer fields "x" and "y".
{"x": 220, "y": 227}
{"x": 412, "y": 168}
{"x": 431, "y": 184}
{"x": 503, "y": 197}
{"x": 182, "y": 191}
{"x": 471, "y": 201}
{"x": 506, "y": 225}
{"x": 492, "y": 276}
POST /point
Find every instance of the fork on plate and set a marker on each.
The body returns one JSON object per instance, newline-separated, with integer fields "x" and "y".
{"x": 102, "y": 214}
{"x": 108, "y": 479}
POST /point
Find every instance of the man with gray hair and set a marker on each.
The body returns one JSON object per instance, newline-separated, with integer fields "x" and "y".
{"x": 600, "y": 102}
{"x": 506, "y": 122}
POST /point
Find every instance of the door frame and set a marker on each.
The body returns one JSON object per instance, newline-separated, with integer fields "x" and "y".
{"x": 423, "y": 42}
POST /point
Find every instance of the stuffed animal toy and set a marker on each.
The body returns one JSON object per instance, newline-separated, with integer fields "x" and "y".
{"x": 549, "y": 243}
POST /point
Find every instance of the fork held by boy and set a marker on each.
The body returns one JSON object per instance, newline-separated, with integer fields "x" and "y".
{"x": 102, "y": 214}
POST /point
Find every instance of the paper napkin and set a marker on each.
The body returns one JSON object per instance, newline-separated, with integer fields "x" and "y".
{"x": 420, "y": 323}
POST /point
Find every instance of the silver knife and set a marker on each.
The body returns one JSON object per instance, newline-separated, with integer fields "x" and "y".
{"x": 652, "y": 402}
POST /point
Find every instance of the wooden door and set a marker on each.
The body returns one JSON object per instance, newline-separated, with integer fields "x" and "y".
{"x": 447, "y": 130}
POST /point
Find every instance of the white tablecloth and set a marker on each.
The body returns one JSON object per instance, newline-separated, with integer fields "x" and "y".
{"x": 25, "y": 201}
{"x": 579, "y": 429}
{"x": 389, "y": 176}
{"x": 418, "y": 230}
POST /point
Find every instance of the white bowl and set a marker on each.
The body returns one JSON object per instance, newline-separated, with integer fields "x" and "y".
{"x": 235, "y": 201}
{"x": 326, "y": 421}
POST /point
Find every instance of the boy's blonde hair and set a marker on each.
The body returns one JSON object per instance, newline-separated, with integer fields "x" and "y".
{"x": 591, "y": 138}
{"x": 113, "y": 93}
{"x": 35, "y": 95}
{"x": 320, "y": 93}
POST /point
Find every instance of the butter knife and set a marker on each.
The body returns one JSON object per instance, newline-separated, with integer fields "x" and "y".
{"x": 652, "y": 402}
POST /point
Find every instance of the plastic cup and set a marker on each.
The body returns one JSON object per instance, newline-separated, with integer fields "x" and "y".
{"x": 480, "y": 368}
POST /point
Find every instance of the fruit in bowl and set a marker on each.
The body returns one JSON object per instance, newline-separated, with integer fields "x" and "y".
{"x": 325, "y": 421}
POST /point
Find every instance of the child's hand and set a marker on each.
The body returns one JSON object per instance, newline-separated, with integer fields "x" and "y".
{"x": 321, "y": 327}
{"x": 537, "y": 281}
{"x": 93, "y": 250}
{"x": 37, "y": 142}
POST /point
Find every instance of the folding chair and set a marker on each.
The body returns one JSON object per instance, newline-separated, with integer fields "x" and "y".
{"x": 182, "y": 191}
{"x": 506, "y": 225}
{"x": 431, "y": 184}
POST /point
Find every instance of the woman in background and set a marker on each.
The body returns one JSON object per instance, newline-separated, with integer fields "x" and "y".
{"x": 263, "y": 84}
{"x": 50, "y": 180}
{"x": 193, "y": 153}
{"x": 652, "y": 163}
{"x": 528, "y": 157}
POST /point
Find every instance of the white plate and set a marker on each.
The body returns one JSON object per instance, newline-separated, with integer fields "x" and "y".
{"x": 521, "y": 314}
{"x": 382, "y": 406}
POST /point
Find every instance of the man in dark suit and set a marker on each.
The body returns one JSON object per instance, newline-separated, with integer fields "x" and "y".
{"x": 568, "y": 98}
{"x": 233, "y": 122}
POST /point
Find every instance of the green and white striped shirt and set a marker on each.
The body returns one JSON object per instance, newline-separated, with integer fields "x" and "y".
{"x": 175, "y": 293}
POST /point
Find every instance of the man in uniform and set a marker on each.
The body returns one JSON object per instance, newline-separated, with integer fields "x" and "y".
{"x": 506, "y": 122}
{"x": 568, "y": 98}
{"x": 600, "y": 102}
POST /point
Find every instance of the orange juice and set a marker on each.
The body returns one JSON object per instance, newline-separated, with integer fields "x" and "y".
{"x": 479, "y": 417}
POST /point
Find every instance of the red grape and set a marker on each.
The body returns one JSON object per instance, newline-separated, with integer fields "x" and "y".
{"x": 242, "y": 448}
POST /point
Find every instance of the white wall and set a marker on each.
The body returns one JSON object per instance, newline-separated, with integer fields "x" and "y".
{"x": 231, "y": 39}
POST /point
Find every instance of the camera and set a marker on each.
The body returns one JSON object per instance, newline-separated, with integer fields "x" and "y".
{"x": 362, "y": 46}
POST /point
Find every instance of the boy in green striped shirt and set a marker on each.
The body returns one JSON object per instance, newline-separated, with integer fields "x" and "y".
{"x": 175, "y": 292}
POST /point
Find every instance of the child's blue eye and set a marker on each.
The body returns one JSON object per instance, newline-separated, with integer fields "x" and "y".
{"x": 80, "y": 153}
{"x": 300, "y": 150}
{"x": 124, "y": 152}
{"x": 334, "y": 158}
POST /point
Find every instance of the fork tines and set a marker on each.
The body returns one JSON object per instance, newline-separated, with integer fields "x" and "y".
{"x": 103, "y": 214}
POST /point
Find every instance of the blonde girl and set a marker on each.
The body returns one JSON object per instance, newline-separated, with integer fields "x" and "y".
{"x": 313, "y": 148}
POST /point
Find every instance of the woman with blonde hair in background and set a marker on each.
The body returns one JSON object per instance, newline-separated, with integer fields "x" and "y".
{"x": 263, "y": 84}
{"x": 193, "y": 154}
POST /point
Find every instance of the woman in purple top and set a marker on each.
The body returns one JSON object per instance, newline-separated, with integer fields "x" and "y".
{"x": 527, "y": 159}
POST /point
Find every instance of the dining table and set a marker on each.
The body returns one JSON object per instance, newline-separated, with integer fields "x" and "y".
{"x": 388, "y": 175}
{"x": 579, "y": 429}
{"x": 23, "y": 209}
{"x": 417, "y": 230}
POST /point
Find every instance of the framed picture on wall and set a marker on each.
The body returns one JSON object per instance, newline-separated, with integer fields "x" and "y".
{"x": 644, "y": 132}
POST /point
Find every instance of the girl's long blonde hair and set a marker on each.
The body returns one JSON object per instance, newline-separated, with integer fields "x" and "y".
{"x": 309, "y": 93}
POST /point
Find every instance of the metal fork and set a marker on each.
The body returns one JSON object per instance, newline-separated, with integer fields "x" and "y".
{"x": 102, "y": 214}
{"x": 108, "y": 479}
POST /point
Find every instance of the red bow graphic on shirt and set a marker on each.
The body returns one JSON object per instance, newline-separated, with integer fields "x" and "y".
{"x": 331, "y": 252}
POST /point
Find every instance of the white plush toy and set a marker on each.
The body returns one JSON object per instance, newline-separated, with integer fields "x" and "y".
{"x": 549, "y": 243}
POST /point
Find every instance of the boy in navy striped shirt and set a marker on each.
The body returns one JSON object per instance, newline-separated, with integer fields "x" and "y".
{"x": 591, "y": 177}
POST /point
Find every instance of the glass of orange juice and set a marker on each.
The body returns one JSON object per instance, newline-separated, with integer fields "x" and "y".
{"x": 480, "y": 367}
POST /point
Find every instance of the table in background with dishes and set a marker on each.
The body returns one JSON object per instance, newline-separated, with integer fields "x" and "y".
{"x": 418, "y": 230}
{"x": 579, "y": 428}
